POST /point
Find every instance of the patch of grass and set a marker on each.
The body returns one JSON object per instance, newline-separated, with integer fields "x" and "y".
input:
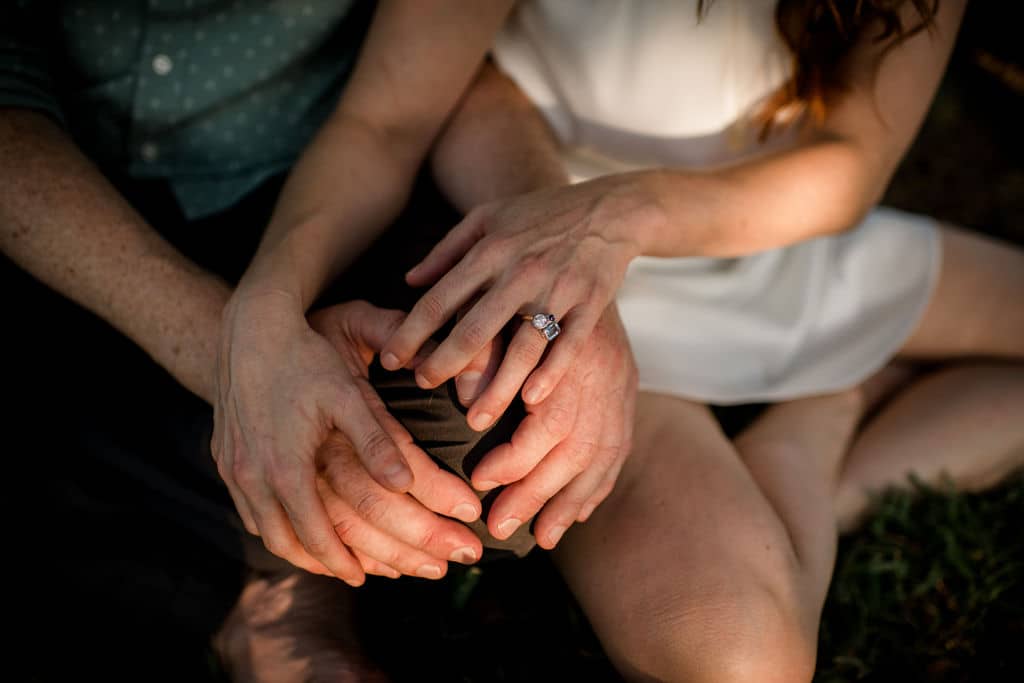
{"x": 932, "y": 588}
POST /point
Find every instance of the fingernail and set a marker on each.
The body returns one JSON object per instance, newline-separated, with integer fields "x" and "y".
{"x": 481, "y": 421}
{"x": 508, "y": 527}
{"x": 555, "y": 534}
{"x": 422, "y": 382}
{"x": 486, "y": 485}
{"x": 466, "y": 386}
{"x": 533, "y": 394}
{"x": 465, "y": 512}
{"x": 390, "y": 361}
{"x": 398, "y": 477}
{"x": 463, "y": 555}
{"x": 429, "y": 571}
{"x": 391, "y": 573}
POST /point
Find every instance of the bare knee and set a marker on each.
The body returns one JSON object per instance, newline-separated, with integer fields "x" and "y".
{"x": 737, "y": 635}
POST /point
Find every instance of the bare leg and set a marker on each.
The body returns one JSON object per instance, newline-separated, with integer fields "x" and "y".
{"x": 693, "y": 569}
{"x": 964, "y": 420}
{"x": 293, "y": 627}
{"x": 976, "y": 308}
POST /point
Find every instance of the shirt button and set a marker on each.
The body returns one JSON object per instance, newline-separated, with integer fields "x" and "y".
{"x": 149, "y": 151}
{"x": 162, "y": 65}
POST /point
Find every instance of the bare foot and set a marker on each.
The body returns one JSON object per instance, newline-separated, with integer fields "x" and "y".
{"x": 293, "y": 627}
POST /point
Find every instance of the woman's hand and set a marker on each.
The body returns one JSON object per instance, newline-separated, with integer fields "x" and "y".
{"x": 282, "y": 388}
{"x": 562, "y": 251}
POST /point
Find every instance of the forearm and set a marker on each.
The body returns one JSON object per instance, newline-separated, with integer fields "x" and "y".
{"x": 817, "y": 189}
{"x": 66, "y": 225}
{"x": 355, "y": 177}
{"x": 349, "y": 185}
{"x": 495, "y": 145}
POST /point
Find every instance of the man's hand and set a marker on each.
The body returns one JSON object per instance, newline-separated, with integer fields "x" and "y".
{"x": 392, "y": 533}
{"x": 567, "y": 453}
{"x": 283, "y": 386}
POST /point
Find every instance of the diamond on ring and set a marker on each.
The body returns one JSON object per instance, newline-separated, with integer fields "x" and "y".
{"x": 542, "y": 320}
{"x": 546, "y": 324}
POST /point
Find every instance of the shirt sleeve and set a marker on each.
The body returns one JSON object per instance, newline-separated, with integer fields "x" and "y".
{"x": 28, "y": 36}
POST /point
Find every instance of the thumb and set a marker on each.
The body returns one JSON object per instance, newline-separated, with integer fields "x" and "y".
{"x": 373, "y": 326}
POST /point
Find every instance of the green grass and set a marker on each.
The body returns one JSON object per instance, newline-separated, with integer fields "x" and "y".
{"x": 932, "y": 588}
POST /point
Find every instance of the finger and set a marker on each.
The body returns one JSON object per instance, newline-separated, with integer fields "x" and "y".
{"x": 439, "y": 491}
{"x": 225, "y": 468}
{"x": 446, "y": 253}
{"x": 523, "y": 353}
{"x": 482, "y": 323}
{"x": 523, "y": 499}
{"x": 436, "y": 307}
{"x": 567, "y": 505}
{"x": 577, "y": 327}
{"x": 377, "y": 450}
{"x": 372, "y": 566}
{"x": 399, "y": 517}
{"x": 242, "y": 506}
{"x": 603, "y": 490}
{"x": 296, "y": 489}
{"x": 476, "y": 376}
{"x": 280, "y": 539}
{"x": 355, "y": 532}
{"x": 372, "y": 325}
{"x": 564, "y": 507}
{"x": 539, "y": 432}
{"x": 352, "y": 526}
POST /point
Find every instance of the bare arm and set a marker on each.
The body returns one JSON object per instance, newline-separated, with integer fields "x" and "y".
{"x": 284, "y": 386}
{"x": 825, "y": 185}
{"x": 356, "y": 175}
{"x": 63, "y": 222}
{"x": 496, "y": 145}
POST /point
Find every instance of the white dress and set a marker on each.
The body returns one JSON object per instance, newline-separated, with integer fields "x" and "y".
{"x": 629, "y": 84}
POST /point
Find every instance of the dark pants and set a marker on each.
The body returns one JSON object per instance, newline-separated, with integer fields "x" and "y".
{"x": 94, "y": 401}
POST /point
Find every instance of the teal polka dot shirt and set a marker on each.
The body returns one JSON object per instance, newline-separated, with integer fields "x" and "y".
{"x": 214, "y": 96}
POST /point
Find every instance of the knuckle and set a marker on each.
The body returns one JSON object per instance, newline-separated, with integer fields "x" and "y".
{"x": 432, "y": 308}
{"x": 580, "y": 456}
{"x": 346, "y": 530}
{"x": 369, "y": 506}
{"x": 534, "y": 499}
{"x": 427, "y": 537}
{"x": 603, "y": 491}
{"x": 393, "y": 557}
{"x": 376, "y": 446}
{"x": 473, "y": 335}
{"x": 527, "y": 353}
{"x": 244, "y": 473}
{"x": 280, "y": 548}
{"x": 282, "y": 479}
{"x": 318, "y": 546}
{"x": 557, "y": 420}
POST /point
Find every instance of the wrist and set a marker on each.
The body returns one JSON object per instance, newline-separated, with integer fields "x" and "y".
{"x": 631, "y": 212}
